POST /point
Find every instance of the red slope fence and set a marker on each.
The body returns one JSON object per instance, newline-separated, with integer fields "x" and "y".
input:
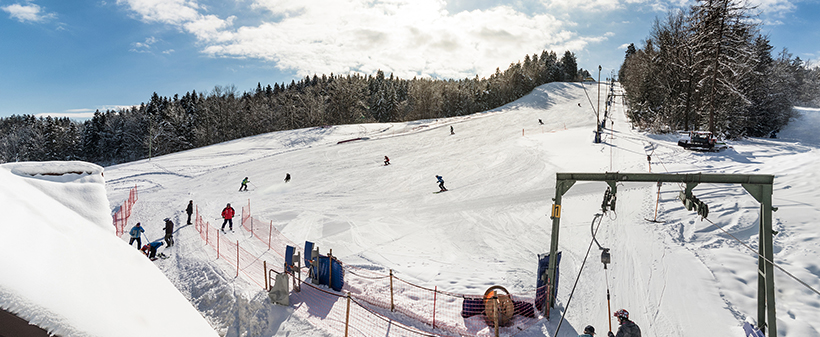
{"x": 371, "y": 303}
{"x": 121, "y": 215}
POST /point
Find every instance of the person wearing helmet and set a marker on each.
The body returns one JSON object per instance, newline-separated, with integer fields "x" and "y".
{"x": 441, "y": 183}
{"x": 627, "y": 328}
{"x": 227, "y": 214}
{"x": 169, "y": 232}
{"x": 244, "y": 184}
{"x": 589, "y": 331}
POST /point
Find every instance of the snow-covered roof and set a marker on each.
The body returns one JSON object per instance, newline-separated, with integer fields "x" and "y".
{"x": 65, "y": 271}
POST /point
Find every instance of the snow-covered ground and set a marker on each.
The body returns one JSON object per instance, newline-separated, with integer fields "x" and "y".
{"x": 65, "y": 271}
{"x": 682, "y": 277}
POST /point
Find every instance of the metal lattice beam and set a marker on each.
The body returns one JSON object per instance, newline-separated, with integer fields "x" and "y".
{"x": 760, "y": 186}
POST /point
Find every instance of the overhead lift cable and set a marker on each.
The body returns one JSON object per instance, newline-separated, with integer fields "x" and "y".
{"x": 764, "y": 258}
{"x": 598, "y": 217}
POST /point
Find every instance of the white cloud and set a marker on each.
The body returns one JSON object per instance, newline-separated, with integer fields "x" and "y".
{"x": 587, "y": 5}
{"x": 774, "y": 7}
{"x": 406, "y": 37}
{"x": 144, "y": 47}
{"x": 29, "y": 12}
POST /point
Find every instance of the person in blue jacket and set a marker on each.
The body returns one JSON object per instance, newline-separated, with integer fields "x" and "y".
{"x": 441, "y": 183}
{"x": 150, "y": 250}
{"x": 244, "y": 184}
{"x": 136, "y": 235}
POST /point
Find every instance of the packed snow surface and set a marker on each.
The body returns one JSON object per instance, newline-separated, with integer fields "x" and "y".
{"x": 680, "y": 276}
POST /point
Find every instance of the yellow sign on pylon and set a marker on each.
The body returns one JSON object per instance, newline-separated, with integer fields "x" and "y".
{"x": 556, "y": 212}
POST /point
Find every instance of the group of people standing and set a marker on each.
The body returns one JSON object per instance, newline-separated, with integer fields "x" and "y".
{"x": 150, "y": 249}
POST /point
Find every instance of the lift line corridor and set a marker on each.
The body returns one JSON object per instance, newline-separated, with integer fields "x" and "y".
{"x": 758, "y": 185}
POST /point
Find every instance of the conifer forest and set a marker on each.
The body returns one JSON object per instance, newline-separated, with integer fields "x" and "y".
{"x": 711, "y": 68}
{"x": 165, "y": 125}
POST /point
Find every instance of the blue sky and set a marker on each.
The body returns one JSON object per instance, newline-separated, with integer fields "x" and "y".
{"x": 69, "y": 58}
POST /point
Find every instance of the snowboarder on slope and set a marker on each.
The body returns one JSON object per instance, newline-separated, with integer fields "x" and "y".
{"x": 227, "y": 214}
{"x": 244, "y": 184}
{"x": 190, "y": 210}
{"x": 136, "y": 235}
{"x": 386, "y": 161}
{"x": 287, "y": 177}
{"x": 627, "y": 328}
{"x": 441, "y": 183}
{"x": 589, "y": 331}
{"x": 150, "y": 250}
{"x": 169, "y": 232}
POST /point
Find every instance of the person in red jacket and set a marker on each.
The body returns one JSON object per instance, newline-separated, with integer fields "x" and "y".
{"x": 227, "y": 214}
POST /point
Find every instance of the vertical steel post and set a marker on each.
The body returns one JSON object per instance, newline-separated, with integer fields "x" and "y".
{"x": 560, "y": 189}
{"x": 768, "y": 252}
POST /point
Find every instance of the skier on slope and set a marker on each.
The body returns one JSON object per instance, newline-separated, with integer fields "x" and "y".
{"x": 190, "y": 210}
{"x": 136, "y": 235}
{"x": 441, "y": 183}
{"x": 150, "y": 250}
{"x": 169, "y": 232}
{"x": 227, "y": 214}
{"x": 451, "y": 130}
{"x": 287, "y": 177}
{"x": 244, "y": 184}
{"x": 627, "y": 328}
{"x": 386, "y": 161}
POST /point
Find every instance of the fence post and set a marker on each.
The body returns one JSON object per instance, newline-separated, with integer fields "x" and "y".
{"x": 435, "y": 292}
{"x": 270, "y": 233}
{"x": 217, "y": 245}
{"x": 265, "y": 270}
{"x": 392, "y": 307}
{"x": 347, "y": 314}
{"x": 237, "y": 258}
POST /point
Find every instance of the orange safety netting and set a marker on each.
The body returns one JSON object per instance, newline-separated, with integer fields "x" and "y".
{"x": 121, "y": 215}
{"x": 379, "y": 304}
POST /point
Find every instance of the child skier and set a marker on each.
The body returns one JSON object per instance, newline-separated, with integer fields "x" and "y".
{"x": 244, "y": 184}
{"x": 441, "y": 183}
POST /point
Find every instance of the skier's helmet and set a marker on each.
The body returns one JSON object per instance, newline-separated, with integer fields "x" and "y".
{"x": 589, "y": 329}
{"x": 167, "y": 219}
{"x": 622, "y": 314}
{"x": 229, "y": 204}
